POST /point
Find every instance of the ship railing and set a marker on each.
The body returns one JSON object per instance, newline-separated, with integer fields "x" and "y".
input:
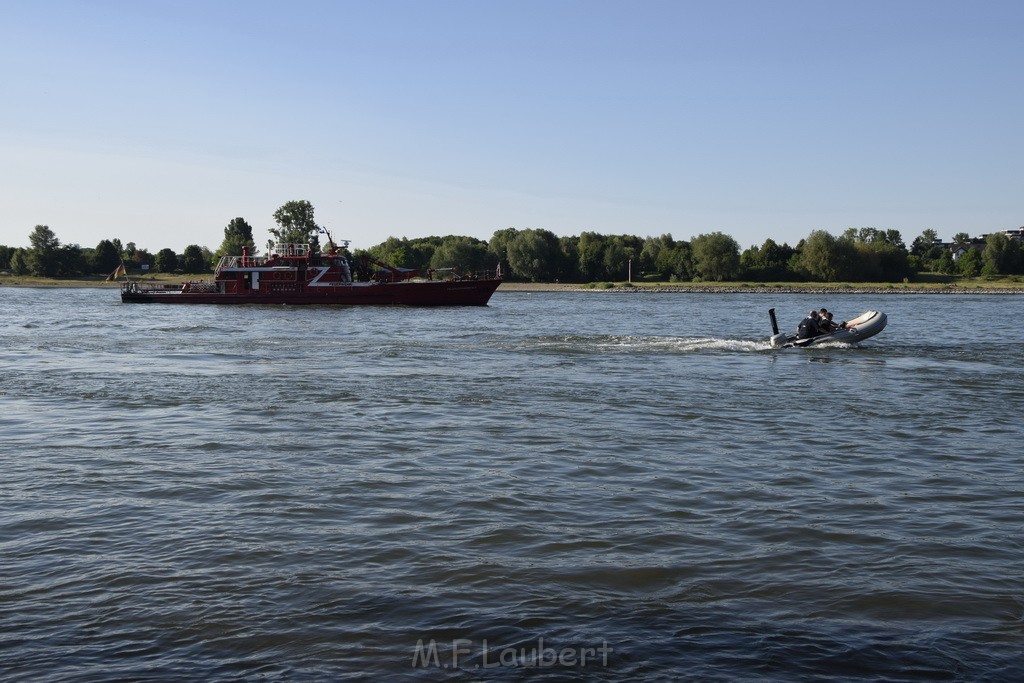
{"x": 240, "y": 262}
{"x": 478, "y": 274}
{"x": 287, "y": 249}
{"x": 201, "y": 286}
{"x": 147, "y": 287}
{"x": 451, "y": 274}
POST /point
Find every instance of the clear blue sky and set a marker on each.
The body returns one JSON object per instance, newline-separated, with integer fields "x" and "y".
{"x": 159, "y": 121}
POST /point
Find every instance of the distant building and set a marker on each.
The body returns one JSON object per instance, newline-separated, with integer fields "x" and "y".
{"x": 958, "y": 249}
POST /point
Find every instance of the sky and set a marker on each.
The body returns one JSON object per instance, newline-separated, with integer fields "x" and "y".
{"x": 159, "y": 121}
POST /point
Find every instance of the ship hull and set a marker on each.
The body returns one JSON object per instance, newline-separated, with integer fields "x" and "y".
{"x": 430, "y": 293}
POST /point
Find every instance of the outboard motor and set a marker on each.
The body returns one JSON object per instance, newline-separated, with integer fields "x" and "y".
{"x": 776, "y": 339}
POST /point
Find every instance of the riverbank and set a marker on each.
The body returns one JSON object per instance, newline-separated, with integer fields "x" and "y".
{"x": 993, "y": 287}
{"x": 975, "y": 286}
{"x": 96, "y": 281}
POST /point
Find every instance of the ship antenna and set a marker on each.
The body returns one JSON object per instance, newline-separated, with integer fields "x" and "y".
{"x": 330, "y": 238}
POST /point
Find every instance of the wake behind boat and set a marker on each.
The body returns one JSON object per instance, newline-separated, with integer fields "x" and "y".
{"x": 862, "y": 327}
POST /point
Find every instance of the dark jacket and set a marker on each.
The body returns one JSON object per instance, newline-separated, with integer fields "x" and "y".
{"x": 808, "y": 328}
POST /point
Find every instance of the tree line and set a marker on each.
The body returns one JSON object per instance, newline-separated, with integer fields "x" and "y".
{"x": 857, "y": 255}
{"x": 538, "y": 255}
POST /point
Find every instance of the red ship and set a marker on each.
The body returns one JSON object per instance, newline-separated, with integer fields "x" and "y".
{"x": 298, "y": 274}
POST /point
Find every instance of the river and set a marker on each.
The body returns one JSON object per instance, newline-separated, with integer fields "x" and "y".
{"x": 591, "y": 486}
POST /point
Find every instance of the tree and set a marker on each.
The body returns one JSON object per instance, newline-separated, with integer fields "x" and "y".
{"x": 676, "y": 262}
{"x": 106, "y": 257}
{"x": 237, "y": 234}
{"x": 534, "y": 255}
{"x": 296, "y": 224}
{"x": 945, "y": 263}
{"x": 498, "y": 244}
{"x": 769, "y": 262}
{"x": 1001, "y": 256}
{"x": 44, "y": 252}
{"x": 878, "y": 261}
{"x": 166, "y": 260}
{"x": 19, "y": 262}
{"x": 393, "y": 251}
{"x": 616, "y": 259}
{"x": 139, "y": 257}
{"x": 819, "y": 255}
{"x": 970, "y": 263}
{"x": 716, "y": 256}
{"x": 71, "y": 261}
{"x": 590, "y": 248}
{"x": 961, "y": 237}
{"x": 5, "y": 257}
{"x": 651, "y": 250}
{"x": 924, "y": 243}
{"x": 464, "y": 254}
{"x": 193, "y": 260}
{"x": 568, "y": 258}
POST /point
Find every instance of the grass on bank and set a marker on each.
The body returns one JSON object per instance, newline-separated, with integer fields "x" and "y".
{"x": 92, "y": 280}
{"x": 920, "y": 281}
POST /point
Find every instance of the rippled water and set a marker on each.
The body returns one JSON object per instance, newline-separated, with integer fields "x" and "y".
{"x": 634, "y": 481}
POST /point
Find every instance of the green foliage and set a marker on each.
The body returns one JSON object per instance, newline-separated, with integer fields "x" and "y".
{"x": 859, "y": 254}
{"x": 296, "y": 223}
{"x": 649, "y": 252}
{"x": 71, "y": 261}
{"x": 193, "y": 260}
{"x": 926, "y": 252}
{"x": 498, "y": 245}
{"x": 464, "y": 254}
{"x": 105, "y": 258}
{"x": 922, "y": 245}
{"x": 535, "y": 255}
{"x": 590, "y": 249}
{"x": 5, "y": 257}
{"x": 568, "y": 247}
{"x": 139, "y": 258}
{"x": 166, "y": 261}
{"x": 19, "y": 262}
{"x": 945, "y": 263}
{"x": 44, "y": 252}
{"x": 616, "y": 259}
{"x": 237, "y": 234}
{"x": 716, "y": 256}
{"x": 970, "y": 264}
{"x": 405, "y": 253}
{"x": 1002, "y": 256}
{"x": 677, "y": 261}
{"x": 768, "y": 262}
{"x": 818, "y": 256}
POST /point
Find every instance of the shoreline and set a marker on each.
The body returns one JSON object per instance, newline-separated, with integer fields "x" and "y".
{"x": 817, "y": 289}
{"x": 623, "y": 288}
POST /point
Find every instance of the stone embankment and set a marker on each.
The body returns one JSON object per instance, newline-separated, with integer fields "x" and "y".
{"x": 693, "y": 289}
{"x": 759, "y": 289}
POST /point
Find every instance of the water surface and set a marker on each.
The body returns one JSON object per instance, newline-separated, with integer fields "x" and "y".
{"x": 307, "y": 493}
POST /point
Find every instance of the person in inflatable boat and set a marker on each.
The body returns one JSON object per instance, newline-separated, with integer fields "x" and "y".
{"x": 825, "y": 323}
{"x": 808, "y": 327}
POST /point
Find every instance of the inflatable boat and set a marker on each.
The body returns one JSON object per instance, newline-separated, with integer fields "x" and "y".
{"x": 862, "y": 327}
